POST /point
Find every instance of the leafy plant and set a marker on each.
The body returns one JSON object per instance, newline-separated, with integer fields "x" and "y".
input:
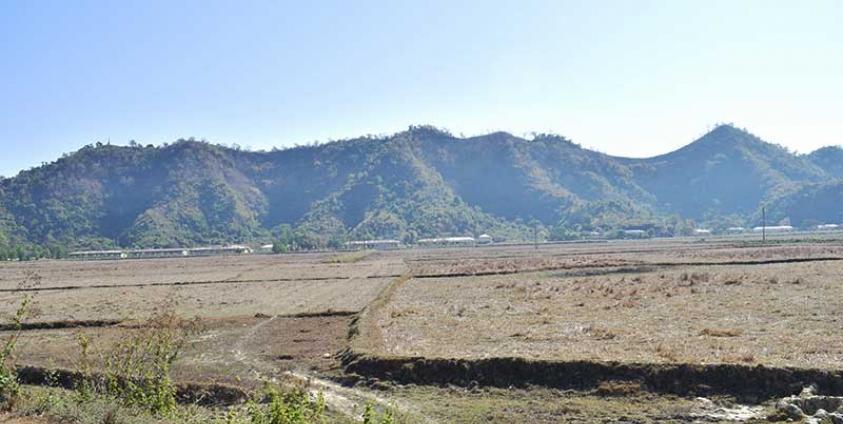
{"x": 137, "y": 368}
{"x": 9, "y": 387}
{"x": 371, "y": 415}
{"x": 288, "y": 407}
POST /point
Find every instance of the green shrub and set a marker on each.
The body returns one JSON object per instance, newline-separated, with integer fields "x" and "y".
{"x": 9, "y": 387}
{"x": 288, "y": 407}
{"x": 137, "y": 368}
{"x": 371, "y": 416}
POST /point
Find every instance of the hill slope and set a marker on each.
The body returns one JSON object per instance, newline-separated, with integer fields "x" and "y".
{"x": 809, "y": 205}
{"x": 830, "y": 159}
{"x": 419, "y": 183}
{"x": 727, "y": 171}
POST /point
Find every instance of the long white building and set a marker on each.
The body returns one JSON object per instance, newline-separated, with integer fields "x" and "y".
{"x": 161, "y": 253}
{"x": 373, "y": 244}
{"x": 447, "y": 241}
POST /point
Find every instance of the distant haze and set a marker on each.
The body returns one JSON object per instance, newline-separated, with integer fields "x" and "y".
{"x": 419, "y": 183}
{"x": 626, "y": 78}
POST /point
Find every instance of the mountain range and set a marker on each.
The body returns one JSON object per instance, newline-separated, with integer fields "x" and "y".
{"x": 417, "y": 183}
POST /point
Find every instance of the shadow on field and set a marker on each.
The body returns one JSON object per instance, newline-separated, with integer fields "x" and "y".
{"x": 750, "y": 383}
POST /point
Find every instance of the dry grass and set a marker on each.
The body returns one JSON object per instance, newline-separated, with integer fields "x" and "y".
{"x": 289, "y": 267}
{"x": 618, "y": 388}
{"x": 721, "y": 332}
{"x": 646, "y": 302}
{"x": 505, "y": 259}
{"x": 348, "y": 257}
{"x": 236, "y": 351}
{"x": 691, "y": 313}
{"x": 246, "y": 309}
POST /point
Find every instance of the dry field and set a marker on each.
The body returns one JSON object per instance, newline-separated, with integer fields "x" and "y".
{"x": 258, "y": 315}
{"x": 207, "y": 270}
{"x": 234, "y": 351}
{"x": 503, "y": 260}
{"x": 637, "y": 302}
{"x": 205, "y": 287}
{"x": 776, "y": 314}
{"x": 203, "y": 300}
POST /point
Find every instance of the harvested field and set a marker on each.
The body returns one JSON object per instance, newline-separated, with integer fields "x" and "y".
{"x": 632, "y": 330}
{"x": 784, "y": 315}
{"x": 258, "y": 315}
{"x": 205, "y": 287}
{"x": 228, "y": 351}
{"x": 499, "y": 260}
{"x": 175, "y": 271}
{"x": 212, "y": 300}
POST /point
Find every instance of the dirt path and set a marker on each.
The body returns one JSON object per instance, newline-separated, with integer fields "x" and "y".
{"x": 239, "y": 351}
{"x": 350, "y": 401}
{"x": 11, "y": 419}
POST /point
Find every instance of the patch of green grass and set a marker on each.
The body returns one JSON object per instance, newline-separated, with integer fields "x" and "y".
{"x": 65, "y": 406}
{"x": 543, "y": 406}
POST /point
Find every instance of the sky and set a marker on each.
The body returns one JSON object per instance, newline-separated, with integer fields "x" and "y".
{"x": 629, "y": 78}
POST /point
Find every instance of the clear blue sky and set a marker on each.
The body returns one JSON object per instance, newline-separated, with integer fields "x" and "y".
{"x": 632, "y": 78}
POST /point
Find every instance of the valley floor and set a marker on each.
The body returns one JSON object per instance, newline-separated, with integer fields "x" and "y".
{"x": 643, "y": 331}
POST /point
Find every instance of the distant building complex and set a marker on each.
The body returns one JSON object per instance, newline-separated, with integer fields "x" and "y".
{"x": 161, "y": 253}
{"x": 447, "y": 241}
{"x": 373, "y": 244}
{"x": 635, "y": 234}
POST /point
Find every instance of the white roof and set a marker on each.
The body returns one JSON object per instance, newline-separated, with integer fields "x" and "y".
{"x": 97, "y": 252}
{"x": 157, "y": 250}
{"x": 232, "y": 247}
{"x": 386, "y": 241}
{"x": 446, "y": 240}
{"x": 774, "y": 228}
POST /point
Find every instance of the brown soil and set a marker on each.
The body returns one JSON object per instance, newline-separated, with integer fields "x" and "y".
{"x": 236, "y": 351}
{"x": 746, "y": 382}
{"x": 240, "y": 299}
{"x": 11, "y": 419}
{"x": 249, "y": 268}
{"x": 670, "y": 316}
{"x": 777, "y": 315}
{"x": 508, "y": 260}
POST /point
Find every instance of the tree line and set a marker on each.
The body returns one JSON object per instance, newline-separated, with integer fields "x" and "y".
{"x": 32, "y": 252}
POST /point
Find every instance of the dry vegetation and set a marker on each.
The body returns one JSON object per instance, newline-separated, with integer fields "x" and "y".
{"x": 259, "y": 317}
{"x": 783, "y": 314}
{"x": 206, "y": 287}
{"x": 211, "y": 300}
{"x": 232, "y": 269}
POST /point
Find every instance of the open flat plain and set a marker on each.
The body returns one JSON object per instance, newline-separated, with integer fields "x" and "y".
{"x": 631, "y": 331}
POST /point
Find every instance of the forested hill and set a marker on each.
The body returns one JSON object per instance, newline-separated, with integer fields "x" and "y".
{"x": 418, "y": 183}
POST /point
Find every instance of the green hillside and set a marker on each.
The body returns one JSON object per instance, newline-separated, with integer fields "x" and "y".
{"x": 727, "y": 171}
{"x": 809, "y": 205}
{"x": 830, "y": 159}
{"x": 422, "y": 182}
